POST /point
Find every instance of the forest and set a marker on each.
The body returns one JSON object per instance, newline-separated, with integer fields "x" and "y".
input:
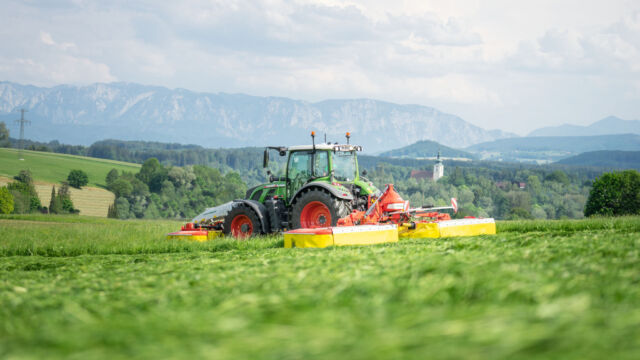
{"x": 188, "y": 178}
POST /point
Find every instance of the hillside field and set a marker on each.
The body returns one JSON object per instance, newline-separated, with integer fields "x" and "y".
{"x": 49, "y": 169}
{"x": 77, "y": 287}
{"x": 54, "y": 168}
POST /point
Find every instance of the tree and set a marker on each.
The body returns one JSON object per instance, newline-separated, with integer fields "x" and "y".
{"x": 64, "y": 197}
{"x": 78, "y": 178}
{"x": 112, "y": 212}
{"x": 153, "y": 174}
{"x": 25, "y": 177}
{"x": 152, "y": 212}
{"x": 4, "y": 135}
{"x": 121, "y": 188}
{"x": 25, "y": 197}
{"x": 558, "y": 176}
{"x": 122, "y": 208}
{"x": 6, "y": 201}
{"x": 55, "y": 206}
{"x": 616, "y": 193}
{"x": 111, "y": 177}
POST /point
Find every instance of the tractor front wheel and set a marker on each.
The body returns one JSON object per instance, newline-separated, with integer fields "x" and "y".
{"x": 241, "y": 222}
{"x": 317, "y": 208}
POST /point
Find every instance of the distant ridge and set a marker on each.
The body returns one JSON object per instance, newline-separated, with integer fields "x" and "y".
{"x": 126, "y": 111}
{"x": 574, "y": 144}
{"x": 425, "y": 149}
{"x": 552, "y": 148}
{"x": 607, "y": 126}
{"x": 606, "y": 158}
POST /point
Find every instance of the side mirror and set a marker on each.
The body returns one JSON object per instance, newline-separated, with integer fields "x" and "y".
{"x": 265, "y": 158}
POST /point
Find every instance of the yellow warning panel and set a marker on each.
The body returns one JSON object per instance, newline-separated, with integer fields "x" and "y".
{"x": 213, "y": 234}
{"x": 467, "y": 227}
{"x": 364, "y": 235}
{"x": 447, "y": 228}
{"x": 308, "y": 240}
{"x": 341, "y": 236}
{"x": 419, "y": 230}
{"x": 194, "y": 235}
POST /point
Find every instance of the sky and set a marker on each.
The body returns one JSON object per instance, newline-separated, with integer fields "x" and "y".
{"x": 498, "y": 64}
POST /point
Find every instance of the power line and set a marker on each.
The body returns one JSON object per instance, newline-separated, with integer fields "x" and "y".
{"x": 22, "y": 121}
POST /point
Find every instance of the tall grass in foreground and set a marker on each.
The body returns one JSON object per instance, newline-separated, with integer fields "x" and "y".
{"x": 72, "y": 236}
{"x": 622, "y": 223}
{"x": 79, "y": 288}
{"x": 110, "y": 289}
{"x": 45, "y": 235}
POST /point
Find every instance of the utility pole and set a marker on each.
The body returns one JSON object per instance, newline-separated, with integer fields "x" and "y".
{"x": 22, "y": 121}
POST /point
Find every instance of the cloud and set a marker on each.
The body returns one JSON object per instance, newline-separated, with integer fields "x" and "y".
{"x": 46, "y": 38}
{"x": 497, "y": 63}
{"x": 614, "y": 49}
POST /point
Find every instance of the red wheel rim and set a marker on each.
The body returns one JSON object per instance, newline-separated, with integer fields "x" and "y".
{"x": 314, "y": 215}
{"x": 241, "y": 226}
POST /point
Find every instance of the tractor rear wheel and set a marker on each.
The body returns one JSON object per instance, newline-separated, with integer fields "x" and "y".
{"x": 317, "y": 208}
{"x": 241, "y": 222}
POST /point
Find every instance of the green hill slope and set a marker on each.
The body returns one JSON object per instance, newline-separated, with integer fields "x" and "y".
{"x": 49, "y": 169}
{"x": 54, "y": 168}
{"x": 608, "y": 159}
{"x": 426, "y": 148}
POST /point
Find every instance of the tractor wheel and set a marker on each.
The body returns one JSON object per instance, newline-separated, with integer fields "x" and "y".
{"x": 316, "y": 208}
{"x": 241, "y": 222}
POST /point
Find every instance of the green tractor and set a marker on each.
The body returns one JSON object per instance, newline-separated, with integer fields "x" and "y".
{"x": 321, "y": 185}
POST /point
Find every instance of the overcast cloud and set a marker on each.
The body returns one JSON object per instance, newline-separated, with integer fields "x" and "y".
{"x": 513, "y": 65}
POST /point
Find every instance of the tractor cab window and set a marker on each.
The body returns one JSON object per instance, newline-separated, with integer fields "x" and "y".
{"x": 300, "y": 165}
{"x": 298, "y": 170}
{"x": 344, "y": 165}
{"x": 321, "y": 164}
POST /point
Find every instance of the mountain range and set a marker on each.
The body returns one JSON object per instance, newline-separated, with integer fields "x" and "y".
{"x": 127, "y": 111}
{"x": 607, "y": 126}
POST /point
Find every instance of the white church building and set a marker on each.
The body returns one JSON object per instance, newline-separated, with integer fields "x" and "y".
{"x": 438, "y": 168}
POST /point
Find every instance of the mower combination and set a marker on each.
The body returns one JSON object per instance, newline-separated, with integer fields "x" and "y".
{"x": 323, "y": 196}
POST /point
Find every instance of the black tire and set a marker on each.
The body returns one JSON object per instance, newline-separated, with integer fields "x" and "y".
{"x": 337, "y": 208}
{"x": 248, "y": 219}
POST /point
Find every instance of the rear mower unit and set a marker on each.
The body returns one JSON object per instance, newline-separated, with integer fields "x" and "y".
{"x": 323, "y": 190}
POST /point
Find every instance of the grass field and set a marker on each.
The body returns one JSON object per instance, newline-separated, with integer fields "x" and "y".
{"x": 54, "y": 168}
{"x": 75, "y": 287}
{"x": 49, "y": 169}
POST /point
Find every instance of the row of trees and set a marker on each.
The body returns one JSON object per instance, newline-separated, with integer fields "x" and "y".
{"x": 494, "y": 192}
{"x": 20, "y": 197}
{"x": 170, "y": 192}
{"x": 482, "y": 188}
{"x": 616, "y": 193}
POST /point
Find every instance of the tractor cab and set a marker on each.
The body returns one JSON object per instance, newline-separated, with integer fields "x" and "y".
{"x": 334, "y": 166}
{"x": 321, "y": 185}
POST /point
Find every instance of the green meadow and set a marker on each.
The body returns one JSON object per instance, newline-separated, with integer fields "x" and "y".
{"x": 87, "y": 288}
{"x": 54, "y": 168}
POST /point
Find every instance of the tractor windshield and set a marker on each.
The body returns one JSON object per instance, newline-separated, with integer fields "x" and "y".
{"x": 344, "y": 165}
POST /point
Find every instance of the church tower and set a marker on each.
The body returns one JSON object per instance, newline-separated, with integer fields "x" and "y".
{"x": 438, "y": 168}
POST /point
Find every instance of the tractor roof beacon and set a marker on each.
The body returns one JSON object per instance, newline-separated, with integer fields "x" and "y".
{"x": 321, "y": 184}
